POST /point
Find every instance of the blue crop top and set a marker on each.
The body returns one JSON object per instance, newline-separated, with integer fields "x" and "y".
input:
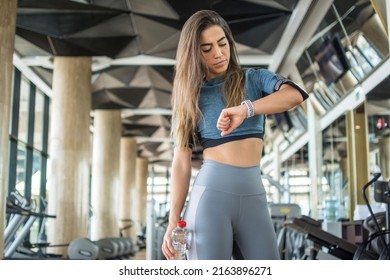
{"x": 258, "y": 83}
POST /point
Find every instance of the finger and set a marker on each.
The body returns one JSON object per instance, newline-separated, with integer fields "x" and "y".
{"x": 168, "y": 250}
{"x": 226, "y": 131}
{"x": 224, "y": 120}
{"x": 223, "y": 115}
{"x": 223, "y": 126}
{"x": 167, "y": 253}
{"x": 223, "y": 123}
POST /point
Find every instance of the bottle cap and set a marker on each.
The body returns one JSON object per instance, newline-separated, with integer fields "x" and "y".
{"x": 181, "y": 224}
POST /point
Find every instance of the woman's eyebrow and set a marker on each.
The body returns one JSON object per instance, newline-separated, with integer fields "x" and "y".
{"x": 207, "y": 44}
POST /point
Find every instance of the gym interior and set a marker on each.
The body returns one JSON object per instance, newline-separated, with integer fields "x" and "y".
{"x": 85, "y": 148}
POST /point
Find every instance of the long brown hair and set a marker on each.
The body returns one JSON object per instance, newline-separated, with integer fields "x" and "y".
{"x": 189, "y": 75}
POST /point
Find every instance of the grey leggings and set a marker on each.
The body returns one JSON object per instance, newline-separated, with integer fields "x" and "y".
{"x": 228, "y": 215}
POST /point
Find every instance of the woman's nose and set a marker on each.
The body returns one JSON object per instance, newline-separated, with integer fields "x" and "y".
{"x": 218, "y": 52}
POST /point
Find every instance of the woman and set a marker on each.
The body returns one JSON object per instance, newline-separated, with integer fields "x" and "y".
{"x": 222, "y": 107}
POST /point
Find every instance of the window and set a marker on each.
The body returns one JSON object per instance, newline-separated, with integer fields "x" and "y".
{"x": 28, "y": 145}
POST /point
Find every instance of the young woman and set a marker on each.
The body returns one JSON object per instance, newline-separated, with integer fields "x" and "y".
{"x": 222, "y": 106}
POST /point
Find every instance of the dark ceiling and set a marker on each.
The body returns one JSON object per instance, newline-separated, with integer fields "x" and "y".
{"x": 121, "y": 29}
{"x": 133, "y": 45}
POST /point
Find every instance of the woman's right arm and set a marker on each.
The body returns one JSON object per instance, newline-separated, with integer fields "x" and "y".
{"x": 180, "y": 181}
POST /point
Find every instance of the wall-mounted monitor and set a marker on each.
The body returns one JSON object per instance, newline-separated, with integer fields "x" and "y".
{"x": 332, "y": 59}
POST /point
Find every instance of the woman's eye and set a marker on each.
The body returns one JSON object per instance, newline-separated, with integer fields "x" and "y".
{"x": 206, "y": 50}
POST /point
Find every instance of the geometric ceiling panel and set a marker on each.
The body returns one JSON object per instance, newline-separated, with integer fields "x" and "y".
{"x": 261, "y": 33}
{"x": 156, "y": 152}
{"x": 113, "y": 4}
{"x": 150, "y": 44}
{"x": 25, "y": 48}
{"x": 118, "y": 98}
{"x": 146, "y": 126}
{"x": 156, "y": 120}
{"x": 63, "y": 22}
{"x": 156, "y": 99}
{"x": 161, "y": 132}
{"x": 166, "y": 48}
{"x": 104, "y": 79}
{"x": 135, "y": 76}
{"x": 121, "y": 24}
{"x": 139, "y": 130}
{"x": 70, "y": 28}
{"x": 150, "y": 147}
{"x": 68, "y": 46}
{"x": 147, "y": 76}
{"x": 159, "y": 8}
{"x": 132, "y": 87}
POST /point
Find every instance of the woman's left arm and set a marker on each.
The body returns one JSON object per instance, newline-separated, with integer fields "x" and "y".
{"x": 282, "y": 100}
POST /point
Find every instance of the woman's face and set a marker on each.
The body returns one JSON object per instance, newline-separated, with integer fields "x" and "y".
{"x": 215, "y": 51}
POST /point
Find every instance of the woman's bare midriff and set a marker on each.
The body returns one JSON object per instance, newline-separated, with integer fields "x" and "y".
{"x": 245, "y": 152}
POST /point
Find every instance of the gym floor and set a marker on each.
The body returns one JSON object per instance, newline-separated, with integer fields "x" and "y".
{"x": 140, "y": 255}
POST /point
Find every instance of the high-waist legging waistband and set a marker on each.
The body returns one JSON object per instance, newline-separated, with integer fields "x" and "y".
{"x": 230, "y": 178}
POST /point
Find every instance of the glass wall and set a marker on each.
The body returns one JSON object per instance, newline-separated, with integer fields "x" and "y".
{"x": 296, "y": 177}
{"x": 378, "y": 121}
{"x": 28, "y": 146}
{"x": 333, "y": 194}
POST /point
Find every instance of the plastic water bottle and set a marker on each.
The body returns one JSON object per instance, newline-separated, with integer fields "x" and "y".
{"x": 180, "y": 239}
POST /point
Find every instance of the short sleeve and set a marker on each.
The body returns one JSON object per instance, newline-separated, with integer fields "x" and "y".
{"x": 271, "y": 82}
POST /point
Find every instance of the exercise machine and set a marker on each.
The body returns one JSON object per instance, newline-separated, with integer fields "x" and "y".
{"x": 342, "y": 249}
{"x": 333, "y": 245}
{"x": 107, "y": 248}
{"x": 378, "y": 224}
{"x": 21, "y": 217}
{"x": 83, "y": 249}
{"x": 291, "y": 243}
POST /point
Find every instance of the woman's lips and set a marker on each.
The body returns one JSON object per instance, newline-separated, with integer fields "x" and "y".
{"x": 220, "y": 63}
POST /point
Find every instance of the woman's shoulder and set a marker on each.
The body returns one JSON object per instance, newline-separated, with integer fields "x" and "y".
{"x": 260, "y": 76}
{"x": 253, "y": 75}
{"x": 257, "y": 71}
{"x": 260, "y": 80}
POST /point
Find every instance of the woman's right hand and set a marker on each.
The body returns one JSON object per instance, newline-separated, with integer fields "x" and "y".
{"x": 180, "y": 181}
{"x": 231, "y": 118}
{"x": 167, "y": 248}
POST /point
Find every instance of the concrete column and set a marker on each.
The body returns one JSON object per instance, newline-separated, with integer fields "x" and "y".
{"x": 351, "y": 152}
{"x": 358, "y": 157}
{"x": 105, "y": 174}
{"x": 7, "y": 38}
{"x": 384, "y": 158}
{"x": 141, "y": 182}
{"x": 362, "y": 149}
{"x": 128, "y": 156}
{"x": 69, "y": 162}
